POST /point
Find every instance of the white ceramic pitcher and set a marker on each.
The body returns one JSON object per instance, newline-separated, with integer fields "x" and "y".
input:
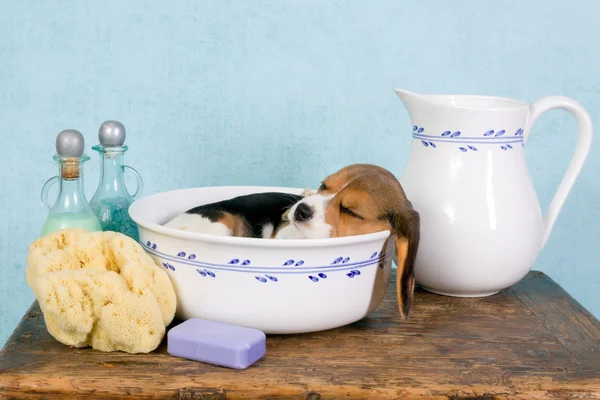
{"x": 481, "y": 223}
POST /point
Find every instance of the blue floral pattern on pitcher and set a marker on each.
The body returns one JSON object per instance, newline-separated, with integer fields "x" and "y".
{"x": 468, "y": 144}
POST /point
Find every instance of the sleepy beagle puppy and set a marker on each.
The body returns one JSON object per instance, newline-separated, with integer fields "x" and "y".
{"x": 358, "y": 199}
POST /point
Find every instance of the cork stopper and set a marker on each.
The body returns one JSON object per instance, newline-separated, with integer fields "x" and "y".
{"x": 70, "y": 168}
{"x": 69, "y": 147}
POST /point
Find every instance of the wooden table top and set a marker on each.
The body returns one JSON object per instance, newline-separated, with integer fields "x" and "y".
{"x": 530, "y": 341}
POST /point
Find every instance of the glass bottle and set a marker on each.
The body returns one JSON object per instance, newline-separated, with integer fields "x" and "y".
{"x": 112, "y": 199}
{"x": 71, "y": 208}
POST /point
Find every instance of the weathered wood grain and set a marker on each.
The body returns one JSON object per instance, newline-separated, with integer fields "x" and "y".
{"x": 573, "y": 325}
{"x": 530, "y": 341}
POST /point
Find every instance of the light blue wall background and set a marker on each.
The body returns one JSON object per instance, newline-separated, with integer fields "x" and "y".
{"x": 283, "y": 93}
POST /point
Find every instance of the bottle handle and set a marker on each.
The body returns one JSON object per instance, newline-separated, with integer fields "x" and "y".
{"x": 584, "y": 143}
{"x": 139, "y": 180}
{"x": 46, "y": 190}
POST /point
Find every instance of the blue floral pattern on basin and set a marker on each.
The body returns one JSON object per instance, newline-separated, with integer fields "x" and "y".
{"x": 168, "y": 266}
{"x": 206, "y": 273}
{"x": 468, "y": 144}
{"x": 264, "y": 279}
{"x": 269, "y": 274}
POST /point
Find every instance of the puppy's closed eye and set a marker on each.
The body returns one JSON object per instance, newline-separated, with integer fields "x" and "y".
{"x": 350, "y": 212}
{"x": 322, "y": 187}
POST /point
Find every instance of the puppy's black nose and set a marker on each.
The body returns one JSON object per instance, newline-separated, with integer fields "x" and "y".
{"x": 303, "y": 212}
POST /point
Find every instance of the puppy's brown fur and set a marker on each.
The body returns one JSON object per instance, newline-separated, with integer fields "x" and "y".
{"x": 236, "y": 224}
{"x": 369, "y": 199}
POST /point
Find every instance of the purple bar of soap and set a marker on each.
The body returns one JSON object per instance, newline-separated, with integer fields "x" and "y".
{"x": 216, "y": 343}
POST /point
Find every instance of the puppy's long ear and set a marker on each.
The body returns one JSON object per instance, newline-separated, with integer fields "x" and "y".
{"x": 406, "y": 224}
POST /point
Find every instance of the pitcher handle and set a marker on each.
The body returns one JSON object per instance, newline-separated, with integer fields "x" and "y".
{"x": 46, "y": 190}
{"x": 584, "y": 143}
{"x": 139, "y": 180}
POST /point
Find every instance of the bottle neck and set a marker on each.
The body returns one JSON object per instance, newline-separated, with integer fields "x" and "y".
{"x": 71, "y": 196}
{"x": 111, "y": 173}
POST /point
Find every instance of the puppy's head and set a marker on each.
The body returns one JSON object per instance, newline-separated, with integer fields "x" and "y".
{"x": 360, "y": 199}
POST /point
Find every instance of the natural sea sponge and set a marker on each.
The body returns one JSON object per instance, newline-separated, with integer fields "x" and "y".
{"x": 100, "y": 289}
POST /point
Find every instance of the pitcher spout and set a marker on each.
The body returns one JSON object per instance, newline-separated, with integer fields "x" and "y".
{"x": 414, "y": 100}
{"x": 406, "y": 96}
{"x": 417, "y": 104}
{"x": 409, "y": 98}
